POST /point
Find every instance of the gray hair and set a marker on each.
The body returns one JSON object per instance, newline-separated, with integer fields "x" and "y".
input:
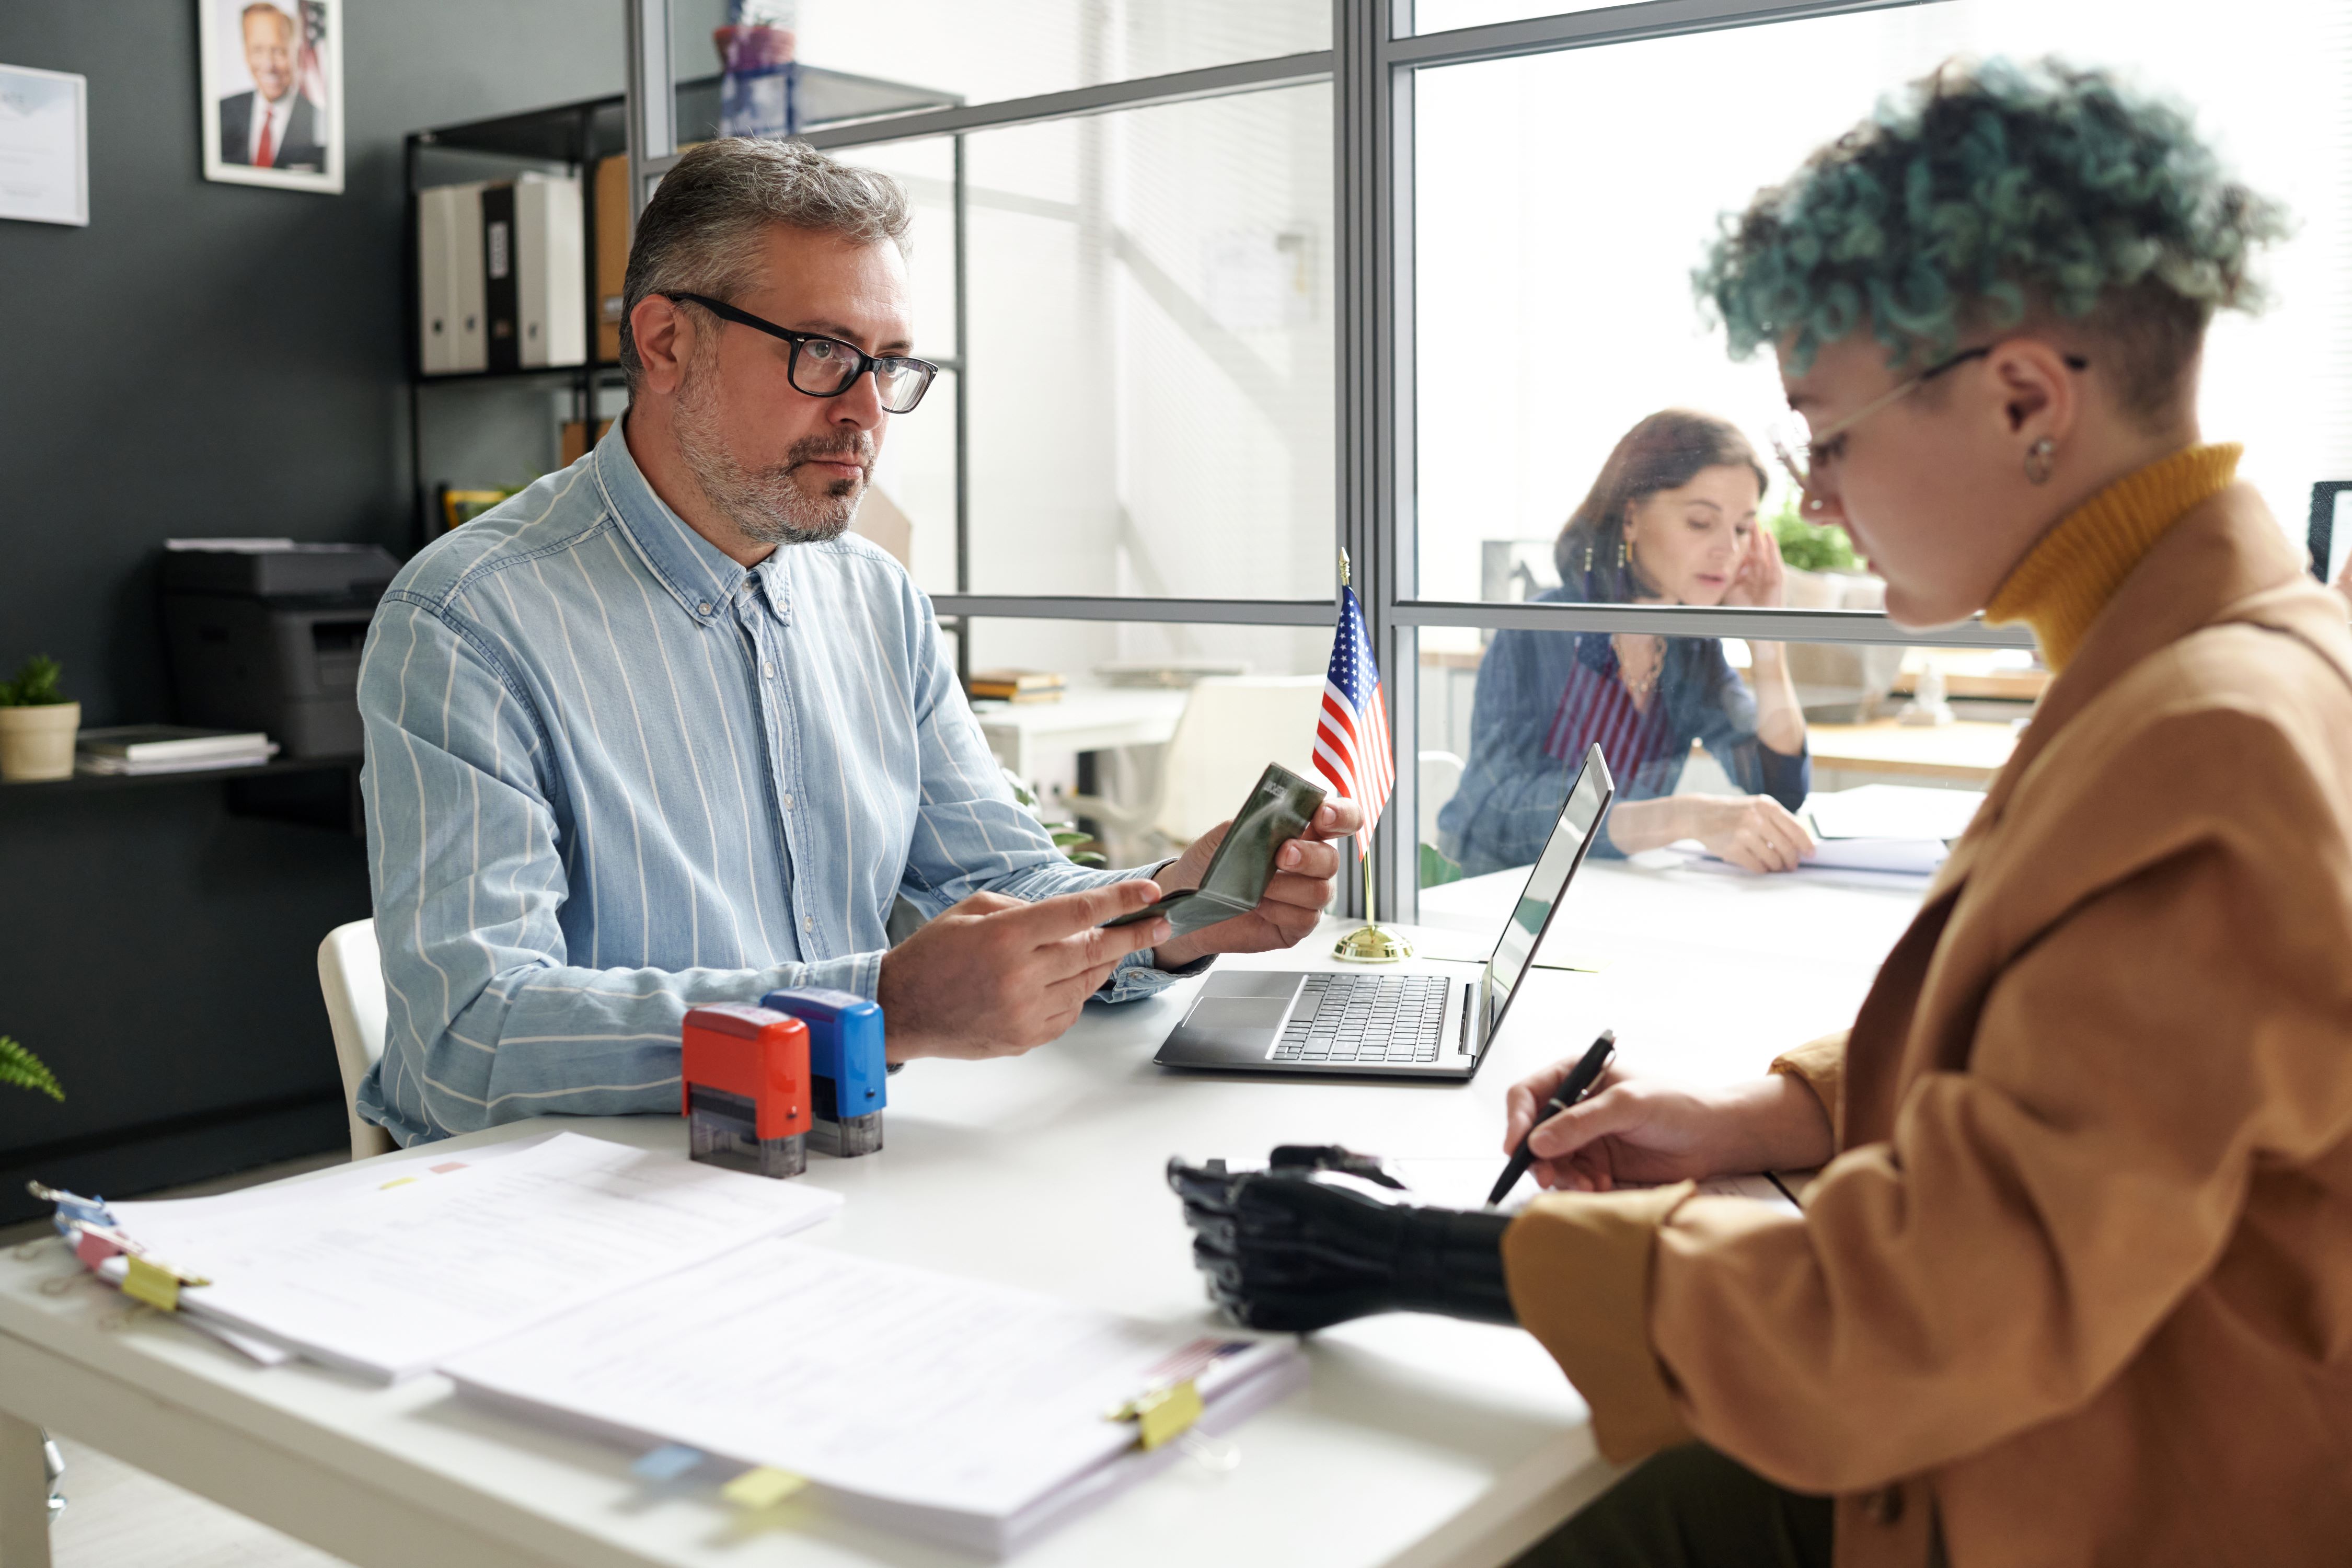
{"x": 700, "y": 233}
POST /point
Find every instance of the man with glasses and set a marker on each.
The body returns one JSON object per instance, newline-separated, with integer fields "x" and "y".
{"x": 658, "y": 732}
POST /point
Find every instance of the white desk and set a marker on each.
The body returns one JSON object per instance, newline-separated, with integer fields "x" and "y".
{"x": 1420, "y": 1441}
{"x": 1086, "y": 719}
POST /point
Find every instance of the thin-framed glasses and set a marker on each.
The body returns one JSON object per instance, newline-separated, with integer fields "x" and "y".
{"x": 1794, "y": 437}
{"x": 828, "y": 367}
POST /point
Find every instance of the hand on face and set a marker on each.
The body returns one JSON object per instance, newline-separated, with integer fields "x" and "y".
{"x": 1761, "y": 578}
{"x": 1305, "y": 872}
{"x": 995, "y": 977}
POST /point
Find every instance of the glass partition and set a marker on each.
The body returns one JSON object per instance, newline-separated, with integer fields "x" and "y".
{"x": 1691, "y": 728}
{"x": 1148, "y": 732}
{"x": 985, "y": 53}
{"x": 1568, "y": 271}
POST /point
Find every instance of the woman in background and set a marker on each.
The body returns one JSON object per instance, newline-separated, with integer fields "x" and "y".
{"x": 1671, "y": 520}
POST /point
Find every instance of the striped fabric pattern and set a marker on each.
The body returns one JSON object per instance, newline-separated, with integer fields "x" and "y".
{"x": 611, "y": 774}
{"x": 1351, "y": 739}
{"x": 1595, "y": 709}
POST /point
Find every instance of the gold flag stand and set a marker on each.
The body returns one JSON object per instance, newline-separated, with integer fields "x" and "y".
{"x": 1371, "y": 943}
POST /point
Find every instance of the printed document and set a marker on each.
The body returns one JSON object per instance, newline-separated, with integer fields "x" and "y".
{"x": 961, "y": 1410}
{"x": 435, "y": 1257}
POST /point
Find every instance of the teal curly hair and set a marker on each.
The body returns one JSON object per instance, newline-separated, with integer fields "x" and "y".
{"x": 1981, "y": 196}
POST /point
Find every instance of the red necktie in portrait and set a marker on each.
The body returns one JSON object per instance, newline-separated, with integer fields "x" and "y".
{"x": 264, "y": 154}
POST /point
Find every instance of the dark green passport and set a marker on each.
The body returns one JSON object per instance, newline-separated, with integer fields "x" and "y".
{"x": 1278, "y": 809}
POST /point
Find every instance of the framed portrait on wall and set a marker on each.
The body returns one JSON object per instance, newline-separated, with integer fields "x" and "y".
{"x": 273, "y": 93}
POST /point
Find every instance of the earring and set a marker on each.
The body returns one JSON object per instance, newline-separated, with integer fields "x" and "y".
{"x": 2041, "y": 459}
{"x": 1588, "y": 558}
{"x": 1621, "y": 553}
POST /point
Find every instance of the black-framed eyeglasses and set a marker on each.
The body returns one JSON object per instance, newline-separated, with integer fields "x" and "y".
{"x": 828, "y": 367}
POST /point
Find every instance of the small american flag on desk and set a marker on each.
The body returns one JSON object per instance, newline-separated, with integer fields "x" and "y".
{"x": 1351, "y": 739}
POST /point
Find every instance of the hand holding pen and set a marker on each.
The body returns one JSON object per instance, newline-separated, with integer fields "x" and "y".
{"x": 1578, "y": 1082}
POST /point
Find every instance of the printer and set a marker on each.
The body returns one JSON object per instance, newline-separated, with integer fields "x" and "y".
{"x": 265, "y": 635}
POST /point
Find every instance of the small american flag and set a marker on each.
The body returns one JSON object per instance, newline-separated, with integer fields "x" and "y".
{"x": 1351, "y": 739}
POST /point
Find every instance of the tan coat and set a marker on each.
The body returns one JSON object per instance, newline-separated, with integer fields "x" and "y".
{"x": 2079, "y": 1285}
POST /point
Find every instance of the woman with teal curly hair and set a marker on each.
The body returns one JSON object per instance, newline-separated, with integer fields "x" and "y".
{"x": 2074, "y": 1281}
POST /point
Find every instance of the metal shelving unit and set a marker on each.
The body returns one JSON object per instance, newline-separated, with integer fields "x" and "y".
{"x": 572, "y": 139}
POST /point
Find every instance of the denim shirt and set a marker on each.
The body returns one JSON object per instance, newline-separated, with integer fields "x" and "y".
{"x": 611, "y": 774}
{"x": 1511, "y": 790}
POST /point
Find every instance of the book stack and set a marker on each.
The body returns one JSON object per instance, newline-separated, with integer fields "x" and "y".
{"x": 1017, "y": 685}
{"x": 169, "y": 749}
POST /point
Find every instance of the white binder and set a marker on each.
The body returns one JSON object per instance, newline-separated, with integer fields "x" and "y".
{"x": 552, "y": 276}
{"x": 437, "y": 333}
{"x": 471, "y": 349}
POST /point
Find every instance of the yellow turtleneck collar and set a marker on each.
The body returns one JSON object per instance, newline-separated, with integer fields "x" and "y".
{"x": 2067, "y": 579}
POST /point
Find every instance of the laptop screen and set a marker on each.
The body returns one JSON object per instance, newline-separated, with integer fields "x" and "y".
{"x": 1571, "y": 836}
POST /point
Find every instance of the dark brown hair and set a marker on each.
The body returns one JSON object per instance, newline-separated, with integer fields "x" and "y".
{"x": 1663, "y": 452}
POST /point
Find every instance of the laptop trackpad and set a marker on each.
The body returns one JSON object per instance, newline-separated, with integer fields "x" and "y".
{"x": 1260, "y": 1015}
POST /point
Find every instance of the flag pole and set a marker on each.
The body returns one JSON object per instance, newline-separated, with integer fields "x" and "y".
{"x": 1369, "y": 942}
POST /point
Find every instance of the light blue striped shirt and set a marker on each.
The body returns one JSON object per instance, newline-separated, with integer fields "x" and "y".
{"x": 611, "y": 774}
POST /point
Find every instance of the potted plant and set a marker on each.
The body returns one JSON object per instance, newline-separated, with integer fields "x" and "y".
{"x": 23, "y": 1069}
{"x": 37, "y": 724}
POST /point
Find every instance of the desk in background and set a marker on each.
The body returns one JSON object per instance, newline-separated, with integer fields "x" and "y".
{"x": 1086, "y": 719}
{"x": 1964, "y": 753}
{"x": 1422, "y": 1441}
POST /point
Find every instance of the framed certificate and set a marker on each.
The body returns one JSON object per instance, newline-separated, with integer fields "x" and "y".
{"x": 272, "y": 105}
{"x": 44, "y": 146}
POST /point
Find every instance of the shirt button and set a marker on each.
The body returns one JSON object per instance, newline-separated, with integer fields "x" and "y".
{"x": 808, "y": 923}
{"x": 788, "y": 802}
{"x": 768, "y": 670}
{"x": 705, "y": 606}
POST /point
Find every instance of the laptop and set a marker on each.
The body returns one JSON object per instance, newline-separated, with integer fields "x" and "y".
{"x": 1388, "y": 1025}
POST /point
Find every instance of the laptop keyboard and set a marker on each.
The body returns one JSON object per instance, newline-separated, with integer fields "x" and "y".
{"x": 1365, "y": 1019}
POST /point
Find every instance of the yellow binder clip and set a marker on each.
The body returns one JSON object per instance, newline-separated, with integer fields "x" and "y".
{"x": 1161, "y": 1414}
{"x": 157, "y": 1284}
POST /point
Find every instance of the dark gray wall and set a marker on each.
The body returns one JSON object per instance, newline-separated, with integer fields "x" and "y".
{"x": 206, "y": 358}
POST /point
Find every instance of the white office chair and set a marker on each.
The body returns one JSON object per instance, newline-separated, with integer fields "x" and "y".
{"x": 350, "y": 977}
{"x": 1231, "y": 727}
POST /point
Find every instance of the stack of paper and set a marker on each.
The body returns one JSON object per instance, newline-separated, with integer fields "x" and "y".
{"x": 969, "y": 1413}
{"x": 168, "y": 748}
{"x": 391, "y": 1276}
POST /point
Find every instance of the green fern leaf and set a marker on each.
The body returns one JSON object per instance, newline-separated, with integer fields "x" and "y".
{"x": 22, "y": 1069}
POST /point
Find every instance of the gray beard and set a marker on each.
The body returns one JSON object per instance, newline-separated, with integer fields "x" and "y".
{"x": 768, "y": 505}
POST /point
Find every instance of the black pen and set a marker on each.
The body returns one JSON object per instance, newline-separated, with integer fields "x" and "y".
{"x": 1573, "y": 1087}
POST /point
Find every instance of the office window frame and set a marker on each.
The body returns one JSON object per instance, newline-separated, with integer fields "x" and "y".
{"x": 1370, "y": 67}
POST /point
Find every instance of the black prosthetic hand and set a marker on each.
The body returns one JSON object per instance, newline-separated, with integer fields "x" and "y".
{"x": 1314, "y": 1240}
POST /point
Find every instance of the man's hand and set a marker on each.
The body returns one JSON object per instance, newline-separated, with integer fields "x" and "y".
{"x": 1305, "y": 872}
{"x": 995, "y": 977}
{"x": 1637, "y": 1129}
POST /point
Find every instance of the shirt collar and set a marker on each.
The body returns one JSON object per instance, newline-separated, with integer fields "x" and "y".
{"x": 699, "y": 576}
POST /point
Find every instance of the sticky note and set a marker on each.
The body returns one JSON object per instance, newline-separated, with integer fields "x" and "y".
{"x": 94, "y": 1249}
{"x": 445, "y": 1166}
{"x": 762, "y": 1487}
{"x": 667, "y": 1463}
{"x": 1167, "y": 1413}
{"x": 397, "y": 1182}
{"x": 155, "y": 1286}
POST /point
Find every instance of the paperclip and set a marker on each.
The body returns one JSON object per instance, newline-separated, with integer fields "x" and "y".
{"x": 659, "y": 1466}
{"x": 762, "y": 1487}
{"x": 1161, "y": 1414}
